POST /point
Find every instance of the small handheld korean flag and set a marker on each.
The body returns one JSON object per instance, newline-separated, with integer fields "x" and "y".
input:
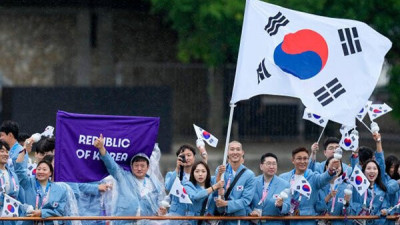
{"x": 359, "y": 181}
{"x": 378, "y": 110}
{"x": 206, "y": 136}
{"x": 179, "y": 191}
{"x": 10, "y": 207}
{"x": 302, "y": 186}
{"x": 339, "y": 181}
{"x": 349, "y": 142}
{"x": 363, "y": 111}
{"x": 31, "y": 169}
{"x": 317, "y": 119}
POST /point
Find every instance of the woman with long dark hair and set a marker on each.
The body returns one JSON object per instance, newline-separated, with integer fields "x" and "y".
{"x": 373, "y": 201}
{"x": 199, "y": 187}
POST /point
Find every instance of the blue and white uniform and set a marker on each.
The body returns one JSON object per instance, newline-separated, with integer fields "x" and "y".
{"x": 265, "y": 196}
{"x": 306, "y": 207}
{"x": 338, "y": 203}
{"x": 51, "y": 200}
{"x": 372, "y": 202}
{"x": 10, "y": 185}
{"x": 240, "y": 197}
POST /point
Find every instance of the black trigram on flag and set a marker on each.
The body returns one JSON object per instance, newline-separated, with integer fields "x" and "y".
{"x": 274, "y": 23}
{"x": 349, "y": 39}
{"x": 262, "y": 72}
{"x": 329, "y": 92}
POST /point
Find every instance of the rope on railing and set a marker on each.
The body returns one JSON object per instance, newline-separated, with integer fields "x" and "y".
{"x": 200, "y": 218}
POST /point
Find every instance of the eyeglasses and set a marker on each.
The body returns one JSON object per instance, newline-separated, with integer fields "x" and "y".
{"x": 301, "y": 159}
{"x": 270, "y": 163}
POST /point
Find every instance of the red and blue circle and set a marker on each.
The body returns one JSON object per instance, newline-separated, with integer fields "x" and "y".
{"x": 347, "y": 142}
{"x": 306, "y": 188}
{"x": 11, "y": 208}
{"x": 34, "y": 172}
{"x": 358, "y": 180}
{"x": 302, "y": 54}
{"x": 206, "y": 135}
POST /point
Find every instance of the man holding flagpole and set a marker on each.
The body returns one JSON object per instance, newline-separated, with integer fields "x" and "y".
{"x": 305, "y": 193}
{"x": 239, "y": 186}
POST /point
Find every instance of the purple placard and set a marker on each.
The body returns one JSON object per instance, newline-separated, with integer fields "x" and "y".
{"x": 77, "y": 160}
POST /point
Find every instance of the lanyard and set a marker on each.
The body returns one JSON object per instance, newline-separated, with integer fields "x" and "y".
{"x": 265, "y": 191}
{"x": 230, "y": 176}
{"x": 45, "y": 196}
{"x": 372, "y": 197}
{"x": 3, "y": 179}
{"x": 333, "y": 200}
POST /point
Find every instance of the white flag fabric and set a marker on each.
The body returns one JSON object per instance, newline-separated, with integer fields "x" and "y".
{"x": 359, "y": 181}
{"x": 364, "y": 111}
{"x": 317, "y": 119}
{"x": 339, "y": 181}
{"x": 206, "y": 136}
{"x": 345, "y": 129}
{"x": 349, "y": 141}
{"x": 31, "y": 169}
{"x": 332, "y": 65}
{"x": 302, "y": 186}
{"x": 179, "y": 191}
{"x": 377, "y": 110}
{"x": 48, "y": 131}
{"x": 10, "y": 207}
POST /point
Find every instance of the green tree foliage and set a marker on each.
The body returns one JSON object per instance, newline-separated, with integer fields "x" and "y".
{"x": 209, "y": 30}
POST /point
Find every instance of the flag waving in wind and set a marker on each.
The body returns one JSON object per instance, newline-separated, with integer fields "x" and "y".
{"x": 10, "y": 207}
{"x": 359, "y": 181}
{"x": 332, "y": 65}
{"x": 205, "y": 136}
{"x": 179, "y": 191}
{"x": 302, "y": 186}
{"x": 319, "y": 120}
{"x": 377, "y": 110}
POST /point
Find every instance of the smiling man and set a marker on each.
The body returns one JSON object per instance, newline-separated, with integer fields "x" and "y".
{"x": 9, "y": 180}
{"x": 239, "y": 186}
{"x": 330, "y": 145}
{"x": 301, "y": 205}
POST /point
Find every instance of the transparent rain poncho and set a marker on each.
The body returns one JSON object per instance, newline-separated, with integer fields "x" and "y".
{"x": 148, "y": 193}
{"x": 71, "y": 208}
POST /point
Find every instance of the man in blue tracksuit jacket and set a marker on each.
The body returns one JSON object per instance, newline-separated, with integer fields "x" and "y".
{"x": 239, "y": 199}
{"x": 267, "y": 199}
{"x": 301, "y": 205}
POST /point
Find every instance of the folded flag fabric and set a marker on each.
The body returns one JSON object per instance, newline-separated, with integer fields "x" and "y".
{"x": 179, "y": 191}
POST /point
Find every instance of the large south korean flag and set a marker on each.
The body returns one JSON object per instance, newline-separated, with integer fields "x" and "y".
{"x": 331, "y": 64}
